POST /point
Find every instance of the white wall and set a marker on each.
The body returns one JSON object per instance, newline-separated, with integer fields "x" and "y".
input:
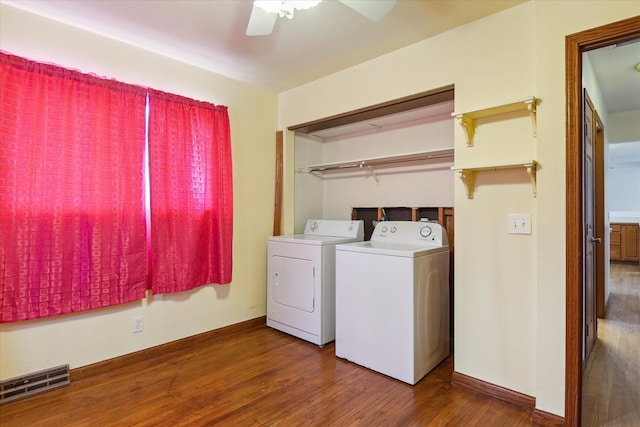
{"x": 510, "y": 290}
{"x": 309, "y": 200}
{"x": 624, "y": 126}
{"x": 623, "y": 131}
{"x": 623, "y": 191}
{"x": 93, "y": 336}
{"x": 332, "y": 195}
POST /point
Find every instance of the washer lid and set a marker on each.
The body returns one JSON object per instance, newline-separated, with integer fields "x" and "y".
{"x": 391, "y": 249}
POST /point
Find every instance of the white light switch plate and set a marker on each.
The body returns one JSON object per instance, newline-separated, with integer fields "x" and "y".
{"x": 519, "y": 223}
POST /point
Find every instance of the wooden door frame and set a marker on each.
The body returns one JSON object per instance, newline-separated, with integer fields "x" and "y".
{"x": 599, "y": 220}
{"x": 575, "y": 45}
{"x": 588, "y": 108}
{"x": 277, "y": 204}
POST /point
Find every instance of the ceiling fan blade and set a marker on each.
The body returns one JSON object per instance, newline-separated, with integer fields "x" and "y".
{"x": 261, "y": 23}
{"x": 374, "y": 10}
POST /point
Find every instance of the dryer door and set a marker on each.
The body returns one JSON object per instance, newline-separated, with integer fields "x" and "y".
{"x": 293, "y": 282}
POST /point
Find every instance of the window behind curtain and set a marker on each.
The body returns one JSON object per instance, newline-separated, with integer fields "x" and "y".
{"x": 191, "y": 193}
{"x": 72, "y": 222}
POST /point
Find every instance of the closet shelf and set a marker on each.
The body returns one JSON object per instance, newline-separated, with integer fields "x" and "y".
{"x": 468, "y": 119}
{"x": 378, "y": 161}
{"x": 468, "y": 173}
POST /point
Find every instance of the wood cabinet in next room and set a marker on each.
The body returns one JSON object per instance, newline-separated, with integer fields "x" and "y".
{"x": 625, "y": 242}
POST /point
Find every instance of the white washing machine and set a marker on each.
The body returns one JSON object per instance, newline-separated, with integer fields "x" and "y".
{"x": 392, "y": 299}
{"x": 301, "y": 278}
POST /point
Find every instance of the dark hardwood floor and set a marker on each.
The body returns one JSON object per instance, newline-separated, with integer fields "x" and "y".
{"x": 259, "y": 377}
{"x": 611, "y": 378}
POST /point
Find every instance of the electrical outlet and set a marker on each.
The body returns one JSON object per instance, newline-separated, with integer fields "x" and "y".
{"x": 136, "y": 326}
{"x": 519, "y": 223}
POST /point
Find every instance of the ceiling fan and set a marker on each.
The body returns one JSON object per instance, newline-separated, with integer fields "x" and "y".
{"x": 265, "y": 12}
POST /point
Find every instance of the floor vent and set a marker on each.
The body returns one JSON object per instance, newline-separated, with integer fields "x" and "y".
{"x": 35, "y": 383}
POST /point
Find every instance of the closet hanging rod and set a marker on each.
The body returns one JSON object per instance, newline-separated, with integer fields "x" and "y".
{"x": 367, "y": 163}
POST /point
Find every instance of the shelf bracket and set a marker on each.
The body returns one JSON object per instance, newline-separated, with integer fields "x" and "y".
{"x": 531, "y": 170}
{"x": 468, "y": 178}
{"x": 468, "y": 126}
{"x": 532, "y": 104}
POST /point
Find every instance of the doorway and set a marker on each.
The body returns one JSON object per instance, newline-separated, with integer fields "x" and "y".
{"x": 575, "y": 45}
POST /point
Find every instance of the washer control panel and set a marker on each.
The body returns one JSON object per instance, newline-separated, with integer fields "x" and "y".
{"x": 410, "y": 232}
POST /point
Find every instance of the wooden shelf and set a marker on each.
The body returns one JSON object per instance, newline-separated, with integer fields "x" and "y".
{"x": 468, "y": 173}
{"x": 369, "y": 163}
{"x": 468, "y": 119}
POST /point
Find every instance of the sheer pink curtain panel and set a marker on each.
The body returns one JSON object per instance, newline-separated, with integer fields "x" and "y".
{"x": 72, "y": 221}
{"x": 191, "y": 193}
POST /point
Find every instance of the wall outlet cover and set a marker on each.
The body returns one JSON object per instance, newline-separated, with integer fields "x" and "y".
{"x": 137, "y": 324}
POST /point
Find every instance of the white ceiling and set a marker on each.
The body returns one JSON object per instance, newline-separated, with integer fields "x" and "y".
{"x": 618, "y": 79}
{"x": 619, "y": 82}
{"x": 211, "y": 33}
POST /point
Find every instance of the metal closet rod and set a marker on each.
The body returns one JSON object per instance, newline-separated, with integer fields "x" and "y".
{"x": 366, "y": 163}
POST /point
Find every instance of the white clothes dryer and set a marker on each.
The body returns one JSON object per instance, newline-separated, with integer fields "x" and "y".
{"x": 392, "y": 299}
{"x": 301, "y": 278}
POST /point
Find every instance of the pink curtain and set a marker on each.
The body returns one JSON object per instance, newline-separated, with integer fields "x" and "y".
{"x": 72, "y": 222}
{"x": 191, "y": 193}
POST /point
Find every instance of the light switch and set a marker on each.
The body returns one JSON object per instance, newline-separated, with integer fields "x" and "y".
{"x": 519, "y": 223}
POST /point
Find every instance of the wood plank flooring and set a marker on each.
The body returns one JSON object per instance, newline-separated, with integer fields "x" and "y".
{"x": 259, "y": 377}
{"x": 611, "y": 378}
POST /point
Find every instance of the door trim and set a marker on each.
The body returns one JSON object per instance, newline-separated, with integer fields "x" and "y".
{"x": 599, "y": 220}
{"x": 575, "y": 45}
{"x": 277, "y": 201}
{"x": 588, "y": 293}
